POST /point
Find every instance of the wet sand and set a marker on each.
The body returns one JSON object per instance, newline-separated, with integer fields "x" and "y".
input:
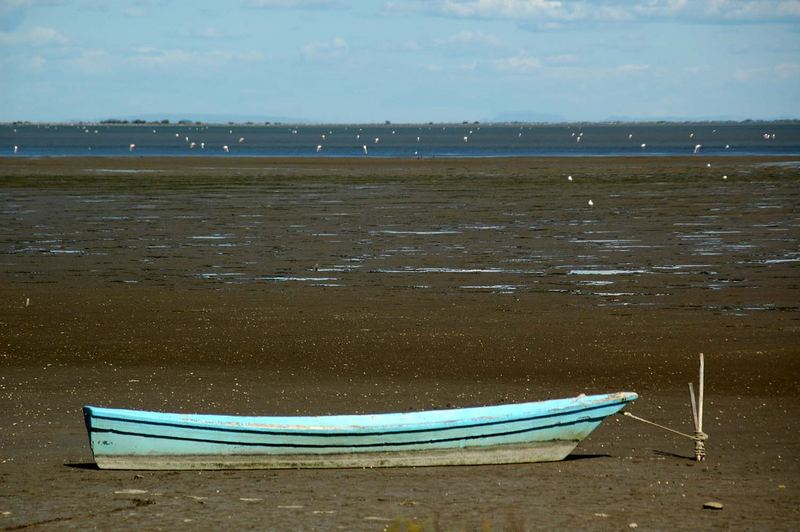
{"x": 299, "y": 286}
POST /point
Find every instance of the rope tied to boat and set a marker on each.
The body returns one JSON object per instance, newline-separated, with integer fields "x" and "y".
{"x": 699, "y": 437}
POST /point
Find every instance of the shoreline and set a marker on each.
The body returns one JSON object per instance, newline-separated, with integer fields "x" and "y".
{"x": 717, "y": 154}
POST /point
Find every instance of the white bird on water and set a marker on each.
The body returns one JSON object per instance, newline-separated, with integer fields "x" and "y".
{"x": 364, "y": 147}
{"x": 569, "y": 178}
{"x": 466, "y": 139}
{"x": 697, "y": 147}
{"x": 16, "y": 148}
{"x": 319, "y": 148}
{"x": 241, "y": 139}
{"x": 192, "y": 145}
{"x": 131, "y": 147}
{"x": 591, "y": 203}
{"x": 202, "y": 145}
{"x": 644, "y": 145}
{"x": 377, "y": 140}
{"x": 225, "y": 148}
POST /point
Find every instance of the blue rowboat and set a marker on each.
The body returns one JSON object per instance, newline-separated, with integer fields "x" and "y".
{"x": 526, "y": 432}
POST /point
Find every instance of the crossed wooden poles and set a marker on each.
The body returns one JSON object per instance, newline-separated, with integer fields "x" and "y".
{"x": 699, "y": 436}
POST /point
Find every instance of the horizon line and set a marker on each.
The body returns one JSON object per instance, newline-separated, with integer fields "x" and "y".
{"x": 187, "y": 121}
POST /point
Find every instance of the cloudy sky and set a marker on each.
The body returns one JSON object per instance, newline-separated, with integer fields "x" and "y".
{"x": 400, "y": 60}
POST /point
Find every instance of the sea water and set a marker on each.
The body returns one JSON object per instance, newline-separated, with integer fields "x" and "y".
{"x": 387, "y": 140}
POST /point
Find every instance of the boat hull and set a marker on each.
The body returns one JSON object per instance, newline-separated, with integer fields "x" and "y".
{"x": 526, "y": 432}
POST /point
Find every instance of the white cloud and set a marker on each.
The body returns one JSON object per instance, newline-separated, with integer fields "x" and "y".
{"x": 743, "y": 74}
{"x": 629, "y": 67}
{"x": 548, "y": 12}
{"x": 135, "y": 12}
{"x": 38, "y": 36}
{"x": 790, "y": 8}
{"x": 469, "y": 37}
{"x": 788, "y": 70}
{"x": 93, "y": 61}
{"x": 781, "y": 70}
{"x": 409, "y": 46}
{"x": 325, "y": 50}
{"x": 208, "y": 33}
{"x": 468, "y": 67}
{"x": 37, "y": 62}
{"x": 751, "y": 10}
{"x": 501, "y": 8}
{"x": 562, "y": 59}
{"x": 661, "y": 8}
{"x": 432, "y": 67}
{"x": 290, "y": 4}
{"x": 151, "y": 57}
{"x": 517, "y": 64}
{"x": 406, "y": 46}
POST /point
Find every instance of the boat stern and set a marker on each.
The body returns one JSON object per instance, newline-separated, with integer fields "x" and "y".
{"x": 87, "y": 419}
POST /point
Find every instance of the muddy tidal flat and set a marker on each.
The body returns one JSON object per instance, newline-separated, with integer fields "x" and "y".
{"x": 261, "y": 286}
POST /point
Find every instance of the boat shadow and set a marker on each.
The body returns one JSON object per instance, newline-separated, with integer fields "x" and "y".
{"x": 88, "y": 466}
{"x": 573, "y": 457}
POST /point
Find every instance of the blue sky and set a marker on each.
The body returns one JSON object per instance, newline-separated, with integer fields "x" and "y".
{"x": 400, "y": 60}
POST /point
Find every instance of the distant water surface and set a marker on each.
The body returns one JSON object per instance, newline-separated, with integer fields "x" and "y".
{"x": 464, "y": 140}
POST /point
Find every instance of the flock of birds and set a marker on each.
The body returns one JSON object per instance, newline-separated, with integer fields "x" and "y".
{"x": 194, "y": 144}
{"x": 578, "y": 136}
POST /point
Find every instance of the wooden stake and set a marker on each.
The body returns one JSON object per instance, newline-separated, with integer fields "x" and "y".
{"x": 699, "y": 442}
{"x": 700, "y": 398}
{"x": 694, "y": 406}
